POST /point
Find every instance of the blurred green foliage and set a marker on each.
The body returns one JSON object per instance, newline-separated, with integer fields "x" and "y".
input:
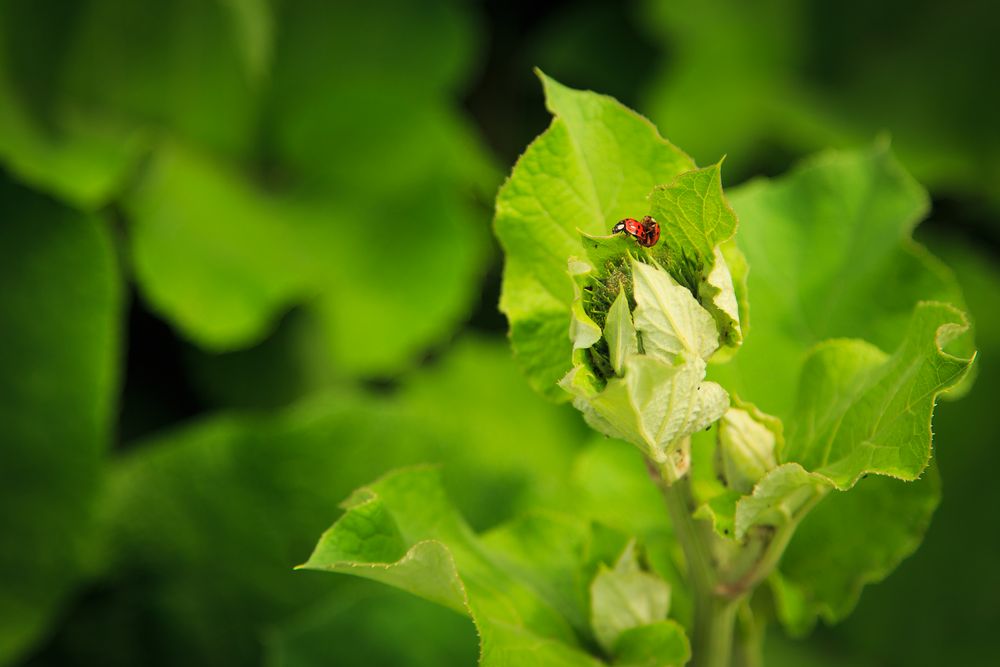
{"x": 300, "y": 191}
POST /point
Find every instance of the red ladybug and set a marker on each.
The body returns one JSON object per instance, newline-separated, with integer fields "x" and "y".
{"x": 647, "y": 232}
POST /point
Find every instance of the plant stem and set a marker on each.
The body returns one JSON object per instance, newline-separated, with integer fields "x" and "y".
{"x": 714, "y": 615}
{"x": 715, "y": 622}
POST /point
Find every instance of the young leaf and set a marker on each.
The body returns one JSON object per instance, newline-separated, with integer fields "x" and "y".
{"x": 624, "y": 598}
{"x": 620, "y": 333}
{"x": 517, "y": 624}
{"x": 60, "y": 315}
{"x": 749, "y": 441}
{"x": 653, "y": 406}
{"x": 583, "y": 331}
{"x": 596, "y": 164}
{"x": 695, "y": 219}
{"x": 779, "y": 499}
{"x": 693, "y": 214}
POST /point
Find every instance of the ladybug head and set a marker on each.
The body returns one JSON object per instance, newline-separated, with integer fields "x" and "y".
{"x": 618, "y": 228}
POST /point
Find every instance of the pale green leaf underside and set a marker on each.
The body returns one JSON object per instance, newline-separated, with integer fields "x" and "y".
{"x": 654, "y": 405}
{"x": 669, "y": 318}
{"x": 747, "y": 446}
{"x": 595, "y": 164}
{"x": 401, "y": 530}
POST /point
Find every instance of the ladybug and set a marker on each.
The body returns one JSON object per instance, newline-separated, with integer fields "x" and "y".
{"x": 647, "y": 232}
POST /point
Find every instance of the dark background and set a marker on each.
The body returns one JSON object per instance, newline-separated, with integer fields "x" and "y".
{"x": 193, "y": 518}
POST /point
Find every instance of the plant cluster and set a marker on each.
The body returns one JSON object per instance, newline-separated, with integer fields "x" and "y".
{"x": 792, "y": 455}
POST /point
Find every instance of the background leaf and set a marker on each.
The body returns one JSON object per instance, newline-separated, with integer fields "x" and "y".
{"x": 59, "y": 350}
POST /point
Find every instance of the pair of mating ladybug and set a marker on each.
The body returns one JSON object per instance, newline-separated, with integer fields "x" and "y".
{"x": 647, "y": 232}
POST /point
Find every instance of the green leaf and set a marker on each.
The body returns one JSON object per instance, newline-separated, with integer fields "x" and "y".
{"x": 661, "y": 644}
{"x": 398, "y": 128}
{"x": 369, "y": 624}
{"x": 81, "y": 97}
{"x": 254, "y": 28}
{"x": 624, "y": 598}
{"x": 693, "y": 214}
{"x": 779, "y": 499}
{"x": 620, "y": 333}
{"x": 861, "y": 412}
{"x": 831, "y": 257}
{"x": 748, "y": 444}
{"x": 492, "y": 479}
{"x": 60, "y": 310}
{"x": 516, "y": 623}
{"x": 84, "y": 161}
{"x": 209, "y": 252}
{"x": 849, "y": 540}
{"x": 583, "y": 331}
{"x": 556, "y": 554}
{"x": 595, "y": 164}
{"x": 176, "y": 518}
{"x": 223, "y": 261}
{"x": 731, "y": 81}
{"x": 178, "y": 68}
{"x": 176, "y": 513}
{"x": 654, "y": 406}
{"x": 695, "y": 219}
{"x": 669, "y": 318}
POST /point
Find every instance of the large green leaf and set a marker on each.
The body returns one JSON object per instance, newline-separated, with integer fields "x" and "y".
{"x": 402, "y": 530}
{"x": 951, "y": 620}
{"x": 596, "y": 163}
{"x": 205, "y": 585}
{"x": 849, "y": 540}
{"x": 60, "y": 308}
{"x": 830, "y": 257}
{"x": 860, "y": 411}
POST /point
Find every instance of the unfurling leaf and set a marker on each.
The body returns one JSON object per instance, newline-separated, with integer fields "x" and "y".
{"x": 625, "y": 597}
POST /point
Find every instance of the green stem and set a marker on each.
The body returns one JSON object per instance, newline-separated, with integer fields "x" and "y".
{"x": 712, "y": 645}
{"x": 749, "y": 651}
{"x": 714, "y": 615}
